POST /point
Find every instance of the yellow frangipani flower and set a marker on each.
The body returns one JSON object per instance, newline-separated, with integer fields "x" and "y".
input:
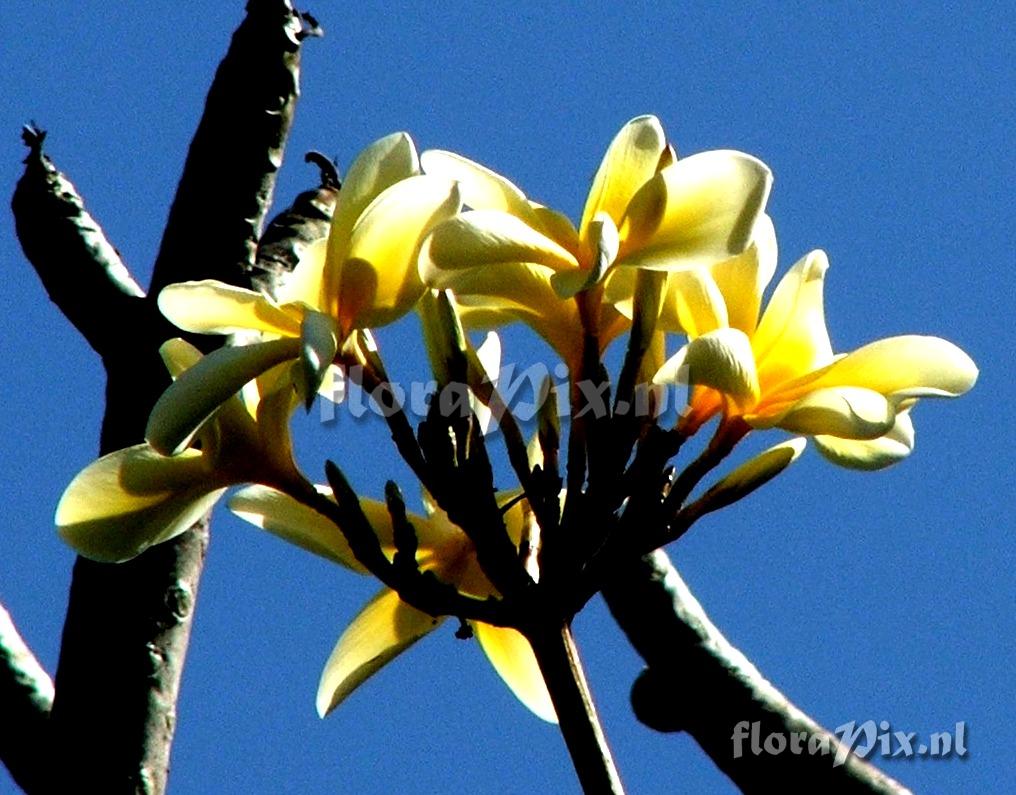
{"x": 508, "y": 258}
{"x": 364, "y": 275}
{"x": 387, "y": 626}
{"x": 780, "y": 371}
{"x": 130, "y": 499}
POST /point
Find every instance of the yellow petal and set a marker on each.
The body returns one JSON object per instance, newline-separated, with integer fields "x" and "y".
{"x": 631, "y": 160}
{"x": 274, "y": 440}
{"x": 291, "y": 520}
{"x": 482, "y": 189}
{"x": 212, "y": 307}
{"x": 742, "y": 279}
{"x": 486, "y": 238}
{"x": 847, "y": 412}
{"x": 871, "y": 454}
{"x": 510, "y": 292}
{"x": 792, "y": 338}
{"x": 753, "y": 474}
{"x": 129, "y": 500}
{"x": 602, "y": 242}
{"x": 434, "y": 533}
{"x": 379, "y": 282}
{"x": 304, "y": 284}
{"x": 619, "y": 290}
{"x": 698, "y": 211}
{"x": 557, "y": 226}
{"x": 197, "y": 393}
{"x": 379, "y": 166}
{"x": 692, "y": 303}
{"x": 513, "y": 659}
{"x": 178, "y": 355}
{"x": 906, "y": 366}
{"x": 384, "y": 629}
{"x": 233, "y": 417}
{"x": 722, "y": 359}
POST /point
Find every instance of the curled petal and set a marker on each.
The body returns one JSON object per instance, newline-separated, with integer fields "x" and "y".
{"x": 199, "y": 391}
{"x": 903, "y": 367}
{"x": 557, "y": 226}
{"x": 212, "y": 307}
{"x": 692, "y": 303}
{"x": 847, "y": 412}
{"x": 742, "y": 279}
{"x": 299, "y": 524}
{"x": 487, "y": 237}
{"x": 129, "y": 500}
{"x": 482, "y": 189}
{"x": 379, "y": 166}
{"x": 275, "y": 442}
{"x": 791, "y": 338}
{"x": 632, "y": 159}
{"x": 179, "y": 355}
{"x": 291, "y": 520}
{"x": 233, "y": 418}
{"x": 520, "y": 292}
{"x": 619, "y": 290}
{"x": 722, "y": 359}
{"x": 673, "y": 370}
{"x": 753, "y": 474}
{"x": 871, "y": 454}
{"x": 384, "y": 629}
{"x": 513, "y": 659}
{"x": 603, "y": 242}
{"x": 379, "y": 281}
{"x": 698, "y": 211}
{"x": 303, "y": 286}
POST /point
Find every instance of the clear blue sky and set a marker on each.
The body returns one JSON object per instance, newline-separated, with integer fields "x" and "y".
{"x": 883, "y": 596}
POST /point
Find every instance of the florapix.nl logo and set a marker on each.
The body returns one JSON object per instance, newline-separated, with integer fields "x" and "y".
{"x": 865, "y": 739}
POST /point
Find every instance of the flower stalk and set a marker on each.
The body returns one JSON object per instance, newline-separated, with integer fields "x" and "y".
{"x": 558, "y": 657}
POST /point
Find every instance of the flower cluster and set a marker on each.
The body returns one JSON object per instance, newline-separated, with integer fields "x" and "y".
{"x": 666, "y": 248}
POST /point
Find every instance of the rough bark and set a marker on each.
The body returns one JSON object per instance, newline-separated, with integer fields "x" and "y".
{"x": 127, "y": 626}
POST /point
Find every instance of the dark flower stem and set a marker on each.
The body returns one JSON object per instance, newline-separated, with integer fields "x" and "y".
{"x": 559, "y": 662}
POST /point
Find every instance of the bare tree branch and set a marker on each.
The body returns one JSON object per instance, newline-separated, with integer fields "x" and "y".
{"x": 127, "y": 627}
{"x": 26, "y": 696}
{"x": 77, "y": 265}
{"x": 699, "y": 683}
{"x": 227, "y": 182}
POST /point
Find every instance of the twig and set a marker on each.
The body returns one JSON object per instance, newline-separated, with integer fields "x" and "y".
{"x": 698, "y": 682}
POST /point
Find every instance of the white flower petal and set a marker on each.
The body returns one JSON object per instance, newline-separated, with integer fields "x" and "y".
{"x": 871, "y": 454}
